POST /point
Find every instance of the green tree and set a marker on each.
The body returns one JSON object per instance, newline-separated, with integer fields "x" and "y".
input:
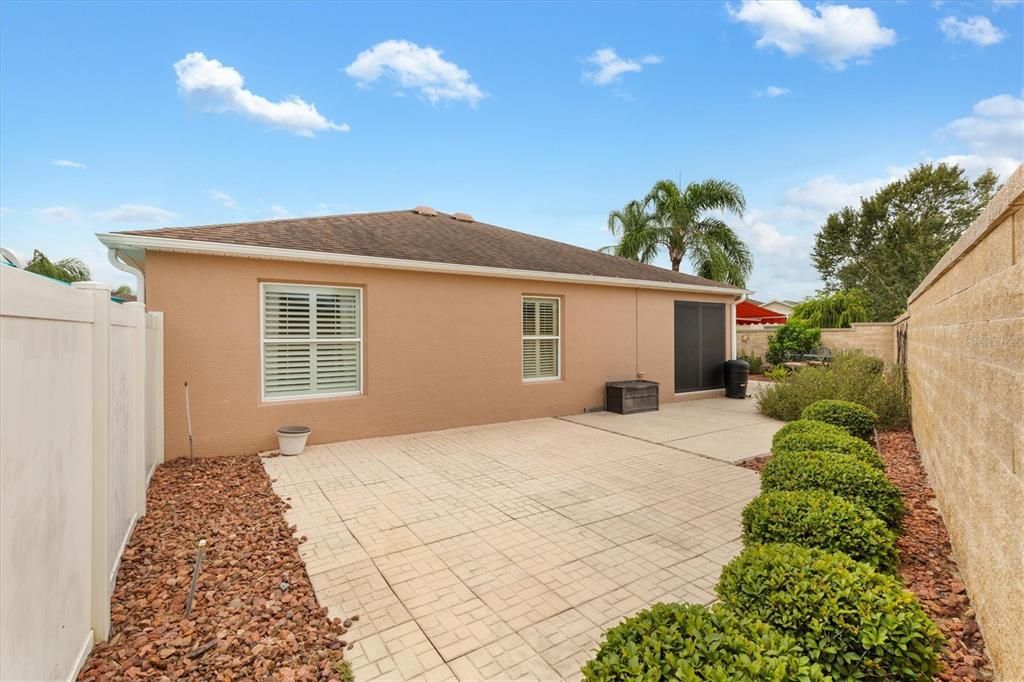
{"x": 66, "y": 270}
{"x": 887, "y": 245}
{"x": 832, "y": 311}
{"x": 796, "y": 337}
{"x": 677, "y": 221}
{"x": 122, "y": 291}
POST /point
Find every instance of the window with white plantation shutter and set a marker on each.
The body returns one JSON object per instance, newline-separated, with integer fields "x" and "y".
{"x": 542, "y": 352}
{"x": 312, "y": 341}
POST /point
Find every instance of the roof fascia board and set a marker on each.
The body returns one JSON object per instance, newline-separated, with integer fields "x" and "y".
{"x": 273, "y": 253}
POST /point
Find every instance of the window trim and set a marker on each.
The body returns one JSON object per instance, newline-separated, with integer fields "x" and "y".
{"x": 263, "y": 341}
{"x": 523, "y": 337}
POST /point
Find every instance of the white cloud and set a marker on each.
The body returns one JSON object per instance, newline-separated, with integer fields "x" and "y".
{"x": 137, "y": 213}
{"x": 766, "y": 237}
{"x": 996, "y": 127}
{"x": 57, "y": 214}
{"x": 279, "y": 211}
{"x": 827, "y": 193}
{"x": 221, "y": 88}
{"x": 772, "y": 91}
{"x": 977, "y": 30}
{"x": 223, "y": 197}
{"x": 834, "y": 34}
{"x": 606, "y": 66}
{"x": 64, "y": 163}
{"x": 999, "y": 4}
{"x": 416, "y": 68}
{"x": 976, "y": 164}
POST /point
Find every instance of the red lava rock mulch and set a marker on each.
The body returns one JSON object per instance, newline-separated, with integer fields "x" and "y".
{"x": 754, "y": 463}
{"x": 254, "y": 615}
{"x": 927, "y": 565}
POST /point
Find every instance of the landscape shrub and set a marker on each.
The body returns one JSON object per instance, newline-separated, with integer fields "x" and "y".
{"x": 777, "y": 373}
{"x": 856, "y": 622}
{"x": 808, "y": 434}
{"x": 842, "y": 475}
{"x": 796, "y": 336}
{"x": 822, "y": 520}
{"x": 854, "y": 377}
{"x": 755, "y": 362}
{"x": 858, "y": 420}
{"x": 690, "y": 642}
{"x": 857, "y": 361}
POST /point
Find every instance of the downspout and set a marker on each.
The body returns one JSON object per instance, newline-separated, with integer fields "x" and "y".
{"x": 636, "y": 334}
{"x": 739, "y": 299}
{"x": 129, "y": 266}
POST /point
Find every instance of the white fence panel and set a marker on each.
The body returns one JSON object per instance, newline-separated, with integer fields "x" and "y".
{"x": 122, "y": 509}
{"x": 81, "y": 407}
{"x": 45, "y": 474}
{"x": 154, "y": 392}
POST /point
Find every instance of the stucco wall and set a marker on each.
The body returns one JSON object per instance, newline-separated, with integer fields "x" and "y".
{"x": 439, "y": 350}
{"x": 965, "y": 361}
{"x": 875, "y": 338}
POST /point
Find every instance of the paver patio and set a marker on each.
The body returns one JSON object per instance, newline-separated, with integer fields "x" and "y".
{"x": 729, "y": 430}
{"x": 504, "y": 551}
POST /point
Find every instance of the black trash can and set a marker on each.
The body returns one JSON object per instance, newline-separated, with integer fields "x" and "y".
{"x": 737, "y": 373}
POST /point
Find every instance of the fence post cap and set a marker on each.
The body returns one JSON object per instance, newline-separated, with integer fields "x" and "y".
{"x": 92, "y": 286}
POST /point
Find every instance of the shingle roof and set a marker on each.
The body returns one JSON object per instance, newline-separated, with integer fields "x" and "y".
{"x": 438, "y": 239}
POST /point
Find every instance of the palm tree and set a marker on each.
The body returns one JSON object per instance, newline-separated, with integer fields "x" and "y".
{"x": 66, "y": 270}
{"x": 638, "y": 228}
{"x": 675, "y": 219}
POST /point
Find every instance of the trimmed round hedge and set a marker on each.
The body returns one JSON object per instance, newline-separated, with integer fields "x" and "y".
{"x": 690, "y": 642}
{"x": 841, "y": 475}
{"x": 808, "y": 434}
{"x": 822, "y": 520}
{"x": 856, "y": 622}
{"x": 855, "y": 419}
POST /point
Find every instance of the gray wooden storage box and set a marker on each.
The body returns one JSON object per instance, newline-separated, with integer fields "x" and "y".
{"x": 628, "y": 397}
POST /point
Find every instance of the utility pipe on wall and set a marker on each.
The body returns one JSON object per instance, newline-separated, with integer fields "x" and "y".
{"x": 115, "y": 256}
{"x": 739, "y": 299}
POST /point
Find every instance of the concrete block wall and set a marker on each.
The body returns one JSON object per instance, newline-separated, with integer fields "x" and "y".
{"x": 875, "y": 338}
{"x": 965, "y": 365}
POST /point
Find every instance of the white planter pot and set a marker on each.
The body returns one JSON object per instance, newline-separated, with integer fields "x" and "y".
{"x": 291, "y": 440}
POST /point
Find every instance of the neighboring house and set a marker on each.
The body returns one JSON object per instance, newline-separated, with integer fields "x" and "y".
{"x": 782, "y": 306}
{"x": 748, "y": 312}
{"x": 384, "y": 323}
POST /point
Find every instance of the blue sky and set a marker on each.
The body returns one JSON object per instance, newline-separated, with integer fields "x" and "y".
{"x": 537, "y": 117}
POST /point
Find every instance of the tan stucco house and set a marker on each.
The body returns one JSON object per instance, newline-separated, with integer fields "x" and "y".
{"x": 383, "y": 323}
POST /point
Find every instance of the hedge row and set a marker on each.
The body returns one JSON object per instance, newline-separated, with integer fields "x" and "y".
{"x": 693, "y": 642}
{"x": 856, "y": 419}
{"x": 841, "y": 475}
{"x": 808, "y": 434}
{"x": 820, "y": 519}
{"x": 852, "y": 620}
{"x": 811, "y": 597}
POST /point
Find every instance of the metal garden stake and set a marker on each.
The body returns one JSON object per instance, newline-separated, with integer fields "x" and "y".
{"x": 195, "y": 574}
{"x": 188, "y": 419}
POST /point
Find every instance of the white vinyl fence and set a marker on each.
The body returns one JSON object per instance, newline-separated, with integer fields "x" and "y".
{"x": 81, "y": 430}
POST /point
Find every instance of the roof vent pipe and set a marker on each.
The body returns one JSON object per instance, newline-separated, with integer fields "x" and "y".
{"x": 425, "y": 210}
{"x": 463, "y": 217}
